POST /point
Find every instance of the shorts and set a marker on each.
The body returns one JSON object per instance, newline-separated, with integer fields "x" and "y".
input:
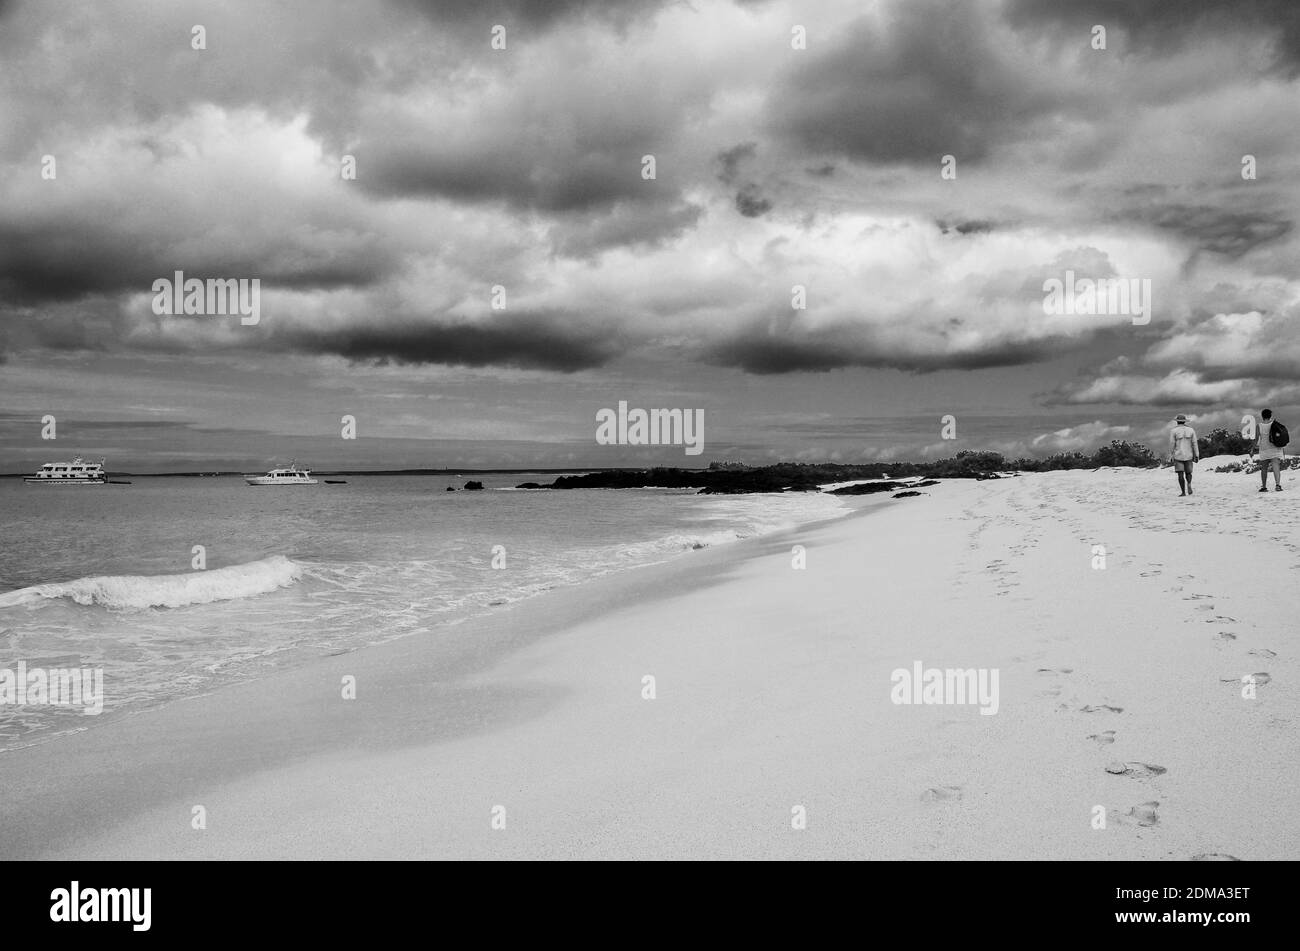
{"x": 1183, "y": 465}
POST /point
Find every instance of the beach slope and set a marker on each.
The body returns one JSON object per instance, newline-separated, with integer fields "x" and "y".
{"x": 1119, "y": 618}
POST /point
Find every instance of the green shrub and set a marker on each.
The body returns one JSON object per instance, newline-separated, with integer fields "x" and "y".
{"x": 1224, "y": 442}
{"x": 1125, "y": 454}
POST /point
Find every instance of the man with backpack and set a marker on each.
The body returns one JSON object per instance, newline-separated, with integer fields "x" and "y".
{"x": 1184, "y": 453}
{"x": 1270, "y": 439}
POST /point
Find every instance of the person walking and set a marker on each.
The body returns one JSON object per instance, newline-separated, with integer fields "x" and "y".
{"x": 1184, "y": 453}
{"x": 1269, "y": 454}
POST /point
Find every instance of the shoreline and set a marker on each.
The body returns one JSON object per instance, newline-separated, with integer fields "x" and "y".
{"x": 235, "y": 670}
{"x": 465, "y": 646}
{"x": 773, "y": 694}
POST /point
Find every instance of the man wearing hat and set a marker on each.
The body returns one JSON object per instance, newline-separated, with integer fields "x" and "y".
{"x": 1185, "y": 453}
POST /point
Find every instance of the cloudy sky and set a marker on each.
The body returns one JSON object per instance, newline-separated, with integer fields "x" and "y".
{"x": 522, "y": 168}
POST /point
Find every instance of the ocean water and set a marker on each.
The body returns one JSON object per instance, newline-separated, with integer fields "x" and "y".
{"x": 103, "y": 577}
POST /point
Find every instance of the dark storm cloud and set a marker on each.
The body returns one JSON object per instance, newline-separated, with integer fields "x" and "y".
{"x": 730, "y": 160}
{"x": 751, "y": 203}
{"x": 53, "y": 262}
{"x": 841, "y": 347}
{"x": 966, "y": 227}
{"x": 627, "y": 224}
{"x": 1167, "y": 25}
{"x": 1232, "y": 233}
{"x": 64, "y": 260}
{"x": 927, "y": 85}
{"x": 561, "y": 181}
{"x": 554, "y": 144}
{"x": 526, "y": 13}
{"x": 528, "y": 341}
{"x": 749, "y": 199}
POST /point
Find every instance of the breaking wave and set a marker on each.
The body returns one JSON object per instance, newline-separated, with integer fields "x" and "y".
{"x": 167, "y": 591}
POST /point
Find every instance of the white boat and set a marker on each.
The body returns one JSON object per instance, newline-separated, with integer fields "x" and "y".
{"x": 76, "y": 472}
{"x": 292, "y": 474}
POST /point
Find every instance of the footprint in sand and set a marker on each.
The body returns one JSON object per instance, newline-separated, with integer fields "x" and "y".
{"x": 1145, "y": 814}
{"x": 1054, "y": 691}
{"x": 941, "y": 794}
{"x": 1225, "y": 636}
{"x": 1215, "y": 857}
{"x": 1263, "y": 652}
{"x": 1101, "y": 708}
{"x": 1259, "y": 678}
{"x": 1135, "y": 770}
{"x": 1103, "y": 739}
{"x": 1220, "y": 619}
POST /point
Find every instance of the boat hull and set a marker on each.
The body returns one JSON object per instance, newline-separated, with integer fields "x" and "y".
{"x": 263, "y": 480}
{"x": 31, "y": 481}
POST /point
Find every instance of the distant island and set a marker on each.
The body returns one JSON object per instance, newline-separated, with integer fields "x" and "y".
{"x": 732, "y": 478}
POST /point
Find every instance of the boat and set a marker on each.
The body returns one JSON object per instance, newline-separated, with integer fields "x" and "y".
{"x": 76, "y": 472}
{"x": 292, "y": 474}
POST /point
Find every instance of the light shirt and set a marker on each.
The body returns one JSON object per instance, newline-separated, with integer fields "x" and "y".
{"x": 1184, "y": 440}
{"x": 1266, "y": 449}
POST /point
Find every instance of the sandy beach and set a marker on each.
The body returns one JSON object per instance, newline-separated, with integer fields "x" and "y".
{"x": 1120, "y": 687}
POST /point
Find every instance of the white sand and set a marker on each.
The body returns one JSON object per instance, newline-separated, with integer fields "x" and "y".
{"x": 773, "y": 691}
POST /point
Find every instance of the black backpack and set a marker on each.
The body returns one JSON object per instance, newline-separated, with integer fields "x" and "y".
{"x": 1278, "y": 435}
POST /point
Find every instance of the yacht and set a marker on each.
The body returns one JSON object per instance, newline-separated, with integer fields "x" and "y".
{"x": 292, "y": 474}
{"x": 76, "y": 472}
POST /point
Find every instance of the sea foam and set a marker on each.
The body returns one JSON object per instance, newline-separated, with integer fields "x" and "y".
{"x": 167, "y": 591}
